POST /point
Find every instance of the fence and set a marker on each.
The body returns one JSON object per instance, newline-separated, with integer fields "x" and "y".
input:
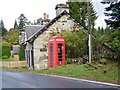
{"x": 13, "y": 64}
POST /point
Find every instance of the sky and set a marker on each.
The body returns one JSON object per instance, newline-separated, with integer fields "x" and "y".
{"x": 34, "y": 9}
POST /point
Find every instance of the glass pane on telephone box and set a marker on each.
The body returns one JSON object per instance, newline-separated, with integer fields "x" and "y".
{"x": 60, "y": 52}
{"x": 51, "y": 55}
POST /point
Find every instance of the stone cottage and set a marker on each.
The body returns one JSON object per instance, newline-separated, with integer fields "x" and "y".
{"x": 36, "y": 37}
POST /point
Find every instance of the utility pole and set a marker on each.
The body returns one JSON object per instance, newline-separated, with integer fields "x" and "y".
{"x": 89, "y": 30}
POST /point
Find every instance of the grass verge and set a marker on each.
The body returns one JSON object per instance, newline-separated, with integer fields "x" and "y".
{"x": 95, "y": 71}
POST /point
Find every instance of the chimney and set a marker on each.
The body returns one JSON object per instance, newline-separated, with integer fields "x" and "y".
{"x": 44, "y": 16}
{"x": 47, "y": 16}
{"x": 60, "y": 8}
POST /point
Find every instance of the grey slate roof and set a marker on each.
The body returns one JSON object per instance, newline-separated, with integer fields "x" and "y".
{"x": 31, "y": 30}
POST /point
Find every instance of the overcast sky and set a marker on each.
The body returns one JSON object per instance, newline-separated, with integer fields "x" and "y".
{"x": 33, "y": 9}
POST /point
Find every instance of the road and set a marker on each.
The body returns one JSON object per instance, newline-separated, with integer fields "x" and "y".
{"x": 29, "y": 80}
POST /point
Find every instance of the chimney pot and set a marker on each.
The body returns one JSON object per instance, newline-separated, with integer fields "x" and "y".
{"x": 47, "y": 16}
{"x": 44, "y": 16}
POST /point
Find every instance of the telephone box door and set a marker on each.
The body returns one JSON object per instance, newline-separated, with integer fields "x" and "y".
{"x": 56, "y": 51}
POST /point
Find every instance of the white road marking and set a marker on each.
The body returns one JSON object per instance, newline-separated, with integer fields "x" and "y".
{"x": 97, "y": 82}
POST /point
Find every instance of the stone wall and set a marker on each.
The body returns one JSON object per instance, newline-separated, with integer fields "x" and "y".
{"x": 13, "y": 64}
{"x": 41, "y": 42}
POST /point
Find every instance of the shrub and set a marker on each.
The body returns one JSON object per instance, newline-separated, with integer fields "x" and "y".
{"x": 6, "y": 51}
{"x": 21, "y": 53}
{"x": 69, "y": 60}
{"x": 4, "y": 57}
{"x": 103, "y": 61}
{"x": 76, "y": 43}
{"x": 0, "y": 51}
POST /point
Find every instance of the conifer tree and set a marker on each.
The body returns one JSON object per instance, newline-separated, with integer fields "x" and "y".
{"x": 3, "y": 30}
{"x": 15, "y": 25}
{"x": 79, "y": 11}
{"x": 113, "y": 12}
{"x": 22, "y": 21}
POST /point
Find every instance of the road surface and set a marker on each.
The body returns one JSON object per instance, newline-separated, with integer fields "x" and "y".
{"x": 29, "y": 80}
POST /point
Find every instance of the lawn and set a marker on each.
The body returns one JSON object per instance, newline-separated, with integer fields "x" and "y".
{"x": 95, "y": 71}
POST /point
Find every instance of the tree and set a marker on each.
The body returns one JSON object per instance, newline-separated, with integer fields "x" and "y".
{"x": 3, "y": 30}
{"x": 29, "y": 23}
{"x": 113, "y": 12}
{"x": 21, "y": 53}
{"x": 39, "y": 21}
{"x": 113, "y": 22}
{"x": 76, "y": 43}
{"x": 12, "y": 37}
{"x": 79, "y": 11}
{"x": 115, "y": 42}
{"x": 22, "y": 21}
{"x": 15, "y": 25}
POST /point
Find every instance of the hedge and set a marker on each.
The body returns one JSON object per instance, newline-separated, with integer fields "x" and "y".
{"x": 5, "y": 51}
{"x": 21, "y": 53}
{"x": 0, "y": 51}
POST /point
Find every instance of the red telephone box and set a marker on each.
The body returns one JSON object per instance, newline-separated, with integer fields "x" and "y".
{"x": 56, "y": 51}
